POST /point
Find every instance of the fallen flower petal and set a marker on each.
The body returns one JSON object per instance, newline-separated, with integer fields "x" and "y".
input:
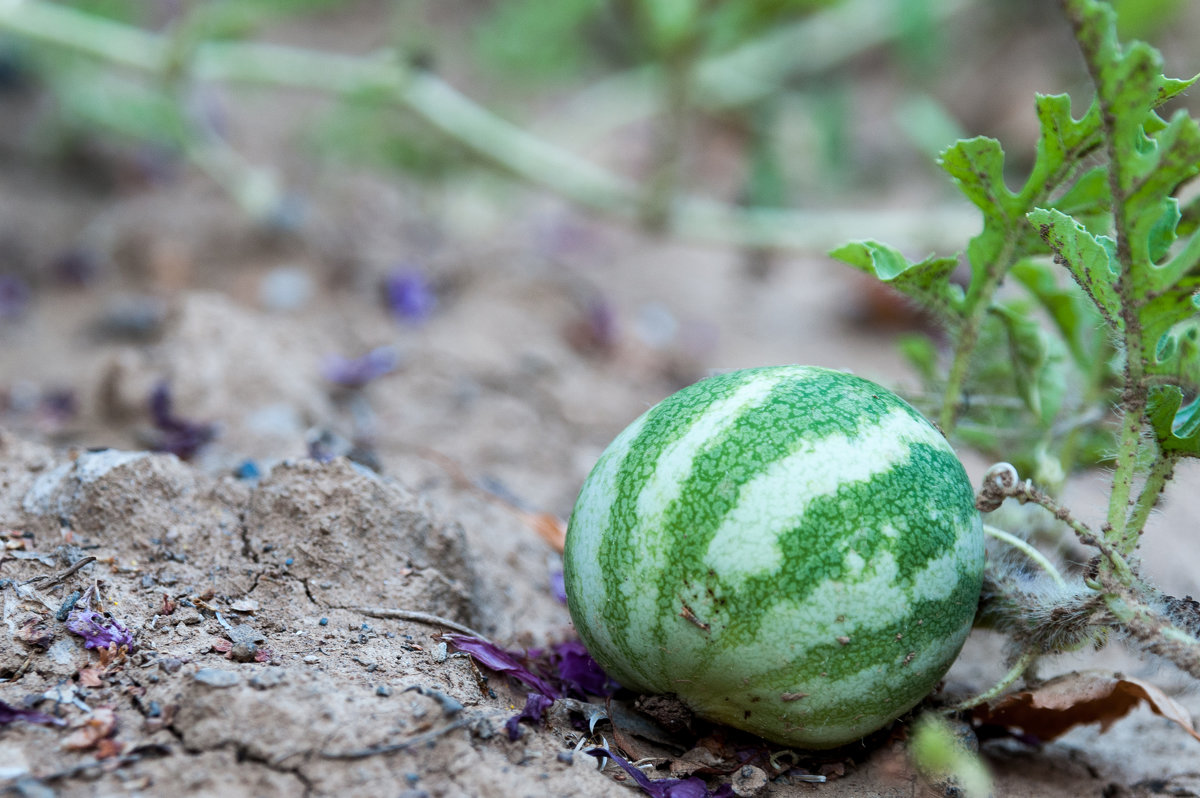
{"x": 495, "y": 658}
{"x": 180, "y": 437}
{"x": 408, "y": 294}
{"x": 693, "y": 787}
{"x": 536, "y": 705}
{"x": 9, "y": 713}
{"x": 98, "y": 630}
{"x": 357, "y": 372}
{"x": 580, "y": 673}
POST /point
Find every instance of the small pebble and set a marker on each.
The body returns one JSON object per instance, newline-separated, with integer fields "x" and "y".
{"x": 243, "y": 652}
{"x": 215, "y": 677}
{"x": 566, "y": 757}
{"x": 170, "y": 664}
{"x": 311, "y": 659}
{"x": 285, "y": 288}
{"x": 383, "y": 690}
{"x": 324, "y": 622}
{"x": 245, "y": 633}
{"x": 748, "y": 781}
{"x": 266, "y": 679}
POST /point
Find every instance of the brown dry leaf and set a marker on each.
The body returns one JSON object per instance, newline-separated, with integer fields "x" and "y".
{"x": 1078, "y": 699}
{"x": 99, "y": 724}
{"x": 36, "y": 632}
{"x": 91, "y": 677}
{"x": 549, "y": 528}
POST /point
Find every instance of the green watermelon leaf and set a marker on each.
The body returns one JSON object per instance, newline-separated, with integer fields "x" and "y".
{"x": 926, "y": 281}
{"x": 977, "y": 165}
{"x": 1089, "y": 258}
{"x": 1176, "y": 424}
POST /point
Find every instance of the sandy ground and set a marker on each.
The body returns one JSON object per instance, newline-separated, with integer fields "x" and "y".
{"x": 263, "y": 663}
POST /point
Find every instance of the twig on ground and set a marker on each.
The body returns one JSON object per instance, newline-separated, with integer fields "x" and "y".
{"x": 420, "y": 739}
{"x": 417, "y": 617}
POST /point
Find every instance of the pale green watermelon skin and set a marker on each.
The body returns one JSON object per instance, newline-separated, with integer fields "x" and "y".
{"x": 791, "y": 550}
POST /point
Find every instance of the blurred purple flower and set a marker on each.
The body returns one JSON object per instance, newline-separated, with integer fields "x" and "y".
{"x": 179, "y": 437}
{"x": 357, "y": 372}
{"x": 558, "y": 586}
{"x": 59, "y": 404}
{"x": 535, "y": 706}
{"x": 692, "y": 787}
{"x": 14, "y": 296}
{"x": 98, "y": 630}
{"x": 408, "y": 294}
{"x": 76, "y": 267}
{"x": 9, "y": 713}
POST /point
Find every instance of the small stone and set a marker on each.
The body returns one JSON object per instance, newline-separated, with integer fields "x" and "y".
{"x": 323, "y": 622}
{"x": 285, "y": 288}
{"x": 170, "y": 664}
{"x": 748, "y": 781}
{"x": 266, "y": 679}
{"x": 215, "y": 677}
{"x": 311, "y": 659}
{"x": 245, "y": 633}
{"x": 566, "y": 757}
{"x": 243, "y": 652}
{"x": 383, "y": 690}
{"x": 245, "y": 604}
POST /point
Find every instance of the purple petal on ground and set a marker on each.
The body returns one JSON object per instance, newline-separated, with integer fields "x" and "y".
{"x": 495, "y": 658}
{"x": 692, "y": 787}
{"x": 408, "y": 294}
{"x": 536, "y": 705}
{"x": 9, "y": 713}
{"x": 558, "y": 586}
{"x": 14, "y": 296}
{"x": 580, "y": 672}
{"x": 97, "y": 629}
{"x": 357, "y": 372}
{"x": 180, "y": 437}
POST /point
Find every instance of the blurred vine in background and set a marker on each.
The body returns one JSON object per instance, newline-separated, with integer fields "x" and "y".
{"x": 750, "y": 62}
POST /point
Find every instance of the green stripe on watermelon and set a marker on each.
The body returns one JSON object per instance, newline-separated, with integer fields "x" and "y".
{"x": 739, "y": 532}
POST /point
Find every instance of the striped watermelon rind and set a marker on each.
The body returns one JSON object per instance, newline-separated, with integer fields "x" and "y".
{"x": 790, "y": 550}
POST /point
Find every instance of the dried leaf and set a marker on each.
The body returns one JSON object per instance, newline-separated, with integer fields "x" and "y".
{"x": 1079, "y": 699}
{"x": 549, "y": 528}
{"x": 35, "y": 632}
{"x": 99, "y": 724}
{"x": 91, "y": 677}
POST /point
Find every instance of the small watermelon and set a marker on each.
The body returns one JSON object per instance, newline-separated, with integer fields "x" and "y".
{"x": 792, "y": 551}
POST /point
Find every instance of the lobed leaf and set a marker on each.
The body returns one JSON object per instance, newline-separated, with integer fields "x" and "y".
{"x": 1175, "y": 424}
{"x": 977, "y": 165}
{"x": 927, "y": 282}
{"x": 1087, "y": 257}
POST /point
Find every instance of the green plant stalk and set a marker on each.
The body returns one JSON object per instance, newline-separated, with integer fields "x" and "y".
{"x": 492, "y": 138}
{"x": 968, "y": 336}
{"x": 1028, "y": 550}
{"x": 745, "y": 74}
{"x": 671, "y": 136}
{"x": 1117, "y": 530}
{"x": 1006, "y": 681}
{"x": 1161, "y": 471}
